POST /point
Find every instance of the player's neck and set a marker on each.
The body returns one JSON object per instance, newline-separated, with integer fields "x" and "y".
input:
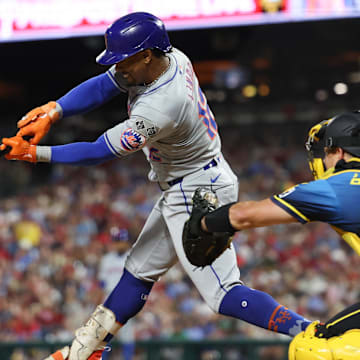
{"x": 160, "y": 66}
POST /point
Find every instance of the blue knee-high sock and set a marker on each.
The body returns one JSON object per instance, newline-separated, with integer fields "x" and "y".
{"x": 259, "y": 308}
{"x": 127, "y": 298}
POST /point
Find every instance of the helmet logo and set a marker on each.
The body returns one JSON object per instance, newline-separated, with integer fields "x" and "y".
{"x": 329, "y": 142}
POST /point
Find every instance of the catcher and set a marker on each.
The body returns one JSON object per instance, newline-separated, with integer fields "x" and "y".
{"x": 333, "y": 148}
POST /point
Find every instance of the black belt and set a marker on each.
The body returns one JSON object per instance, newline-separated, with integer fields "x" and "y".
{"x": 211, "y": 164}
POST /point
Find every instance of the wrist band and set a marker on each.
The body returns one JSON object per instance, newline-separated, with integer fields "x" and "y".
{"x": 218, "y": 220}
{"x": 43, "y": 153}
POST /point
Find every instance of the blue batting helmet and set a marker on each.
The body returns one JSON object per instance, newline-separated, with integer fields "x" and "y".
{"x": 131, "y": 34}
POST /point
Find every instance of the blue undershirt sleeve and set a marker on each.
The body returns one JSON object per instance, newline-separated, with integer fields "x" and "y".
{"x": 82, "y": 153}
{"x": 88, "y": 95}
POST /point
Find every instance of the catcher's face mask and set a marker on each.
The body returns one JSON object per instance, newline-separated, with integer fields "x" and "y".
{"x": 342, "y": 131}
{"x": 315, "y": 148}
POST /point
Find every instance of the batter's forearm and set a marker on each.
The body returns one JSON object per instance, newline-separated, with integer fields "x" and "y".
{"x": 88, "y": 95}
{"x": 81, "y": 153}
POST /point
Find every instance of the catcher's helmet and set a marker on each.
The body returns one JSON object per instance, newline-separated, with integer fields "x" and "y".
{"x": 131, "y": 34}
{"x": 342, "y": 131}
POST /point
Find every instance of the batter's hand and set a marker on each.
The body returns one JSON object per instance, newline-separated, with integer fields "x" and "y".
{"x": 37, "y": 122}
{"x": 20, "y": 149}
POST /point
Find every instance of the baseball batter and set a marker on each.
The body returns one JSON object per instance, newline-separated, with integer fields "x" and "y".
{"x": 170, "y": 121}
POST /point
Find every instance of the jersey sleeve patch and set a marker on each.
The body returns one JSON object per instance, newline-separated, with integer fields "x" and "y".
{"x": 132, "y": 140}
{"x": 145, "y": 127}
{"x": 291, "y": 210}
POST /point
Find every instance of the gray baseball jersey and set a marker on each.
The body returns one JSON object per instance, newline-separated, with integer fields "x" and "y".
{"x": 171, "y": 122}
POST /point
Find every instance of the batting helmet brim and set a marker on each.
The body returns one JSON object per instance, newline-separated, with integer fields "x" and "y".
{"x": 110, "y": 58}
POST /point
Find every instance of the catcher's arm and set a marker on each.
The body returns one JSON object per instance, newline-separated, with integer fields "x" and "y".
{"x": 208, "y": 232}
{"x": 245, "y": 215}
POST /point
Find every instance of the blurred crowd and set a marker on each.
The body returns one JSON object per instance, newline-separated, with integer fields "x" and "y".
{"x": 55, "y": 235}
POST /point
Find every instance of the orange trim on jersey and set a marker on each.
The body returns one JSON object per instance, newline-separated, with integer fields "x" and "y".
{"x": 271, "y": 321}
{"x": 57, "y": 355}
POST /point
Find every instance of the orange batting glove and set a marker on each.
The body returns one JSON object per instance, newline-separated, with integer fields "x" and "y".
{"x": 20, "y": 149}
{"x": 37, "y": 122}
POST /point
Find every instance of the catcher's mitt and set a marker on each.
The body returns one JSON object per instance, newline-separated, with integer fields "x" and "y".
{"x": 202, "y": 248}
